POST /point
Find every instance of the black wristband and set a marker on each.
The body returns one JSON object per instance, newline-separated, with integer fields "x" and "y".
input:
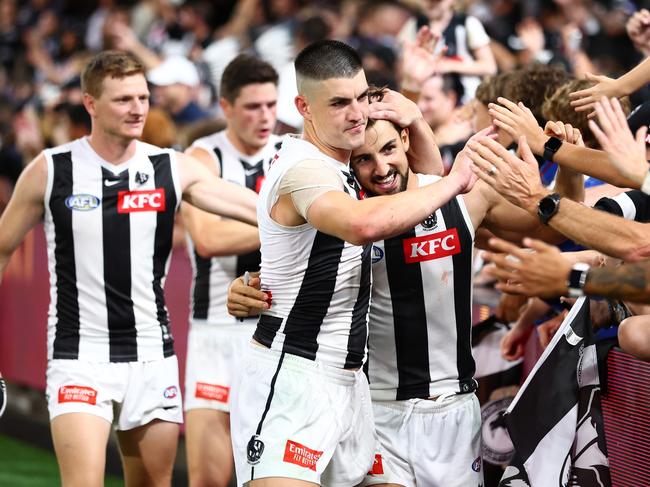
{"x": 552, "y": 145}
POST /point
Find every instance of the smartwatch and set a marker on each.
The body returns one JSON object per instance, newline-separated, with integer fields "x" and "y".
{"x": 551, "y": 147}
{"x": 547, "y": 207}
{"x": 577, "y": 279}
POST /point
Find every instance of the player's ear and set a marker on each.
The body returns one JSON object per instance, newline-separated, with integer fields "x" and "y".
{"x": 404, "y": 135}
{"x": 303, "y": 107}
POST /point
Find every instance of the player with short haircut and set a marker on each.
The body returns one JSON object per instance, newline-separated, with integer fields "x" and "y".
{"x": 108, "y": 202}
{"x": 301, "y": 411}
{"x": 220, "y": 250}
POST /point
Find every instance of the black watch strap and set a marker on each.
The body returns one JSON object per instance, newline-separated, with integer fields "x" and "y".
{"x": 552, "y": 145}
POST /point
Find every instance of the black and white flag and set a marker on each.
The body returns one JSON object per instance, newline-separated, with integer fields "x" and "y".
{"x": 555, "y": 421}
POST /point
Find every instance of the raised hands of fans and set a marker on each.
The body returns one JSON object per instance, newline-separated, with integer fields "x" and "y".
{"x": 419, "y": 61}
{"x": 394, "y": 107}
{"x": 246, "y": 299}
{"x": 463, "y": 170}
{"x": 539, "y": 270}
{"x": 565, "y": 132}
{"x": 513, "y": 343}
{"x": 585, "y": 100}
{"x": 517, "y": 120}
{"x": 626, "y": 152}
{"x": 547, "y": 330}
{"x": 638, "y": 29}
{"x": 515, "y": 178}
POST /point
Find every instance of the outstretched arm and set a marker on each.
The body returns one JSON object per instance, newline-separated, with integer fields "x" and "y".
{"x": 544, "y": 271}
{"x": 203, "y": 189}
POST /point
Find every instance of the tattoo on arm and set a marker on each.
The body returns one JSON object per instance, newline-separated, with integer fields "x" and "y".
{"x": 627, "y": 281}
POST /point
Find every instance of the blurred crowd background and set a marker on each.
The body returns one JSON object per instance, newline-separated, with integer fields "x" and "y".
{"x": 186, "y": 44}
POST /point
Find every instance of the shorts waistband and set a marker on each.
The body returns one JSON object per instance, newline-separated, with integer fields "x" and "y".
{"x": 305, "y": 366}
{"x": 427, "y": 406}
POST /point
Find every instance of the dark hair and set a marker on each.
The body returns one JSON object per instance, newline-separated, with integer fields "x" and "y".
{"x": 244, "y": 70}
{"x": 113, "y": 64}
{"x": 328, "y": 59}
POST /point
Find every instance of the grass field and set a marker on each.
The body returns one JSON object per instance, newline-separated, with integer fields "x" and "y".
{"x": 22, "y": 465}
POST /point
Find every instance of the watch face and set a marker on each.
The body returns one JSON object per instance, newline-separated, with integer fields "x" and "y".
{"x": 547, "y": 205}
{"x": 553, "y": 144}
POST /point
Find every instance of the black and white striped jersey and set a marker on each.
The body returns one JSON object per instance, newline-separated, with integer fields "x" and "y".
{"x": 320, "y": 284}
{"x": 212, "y": 276}
{"x": 631, "y": 205}
{"x": 109, "y": 238}
{"x": 420, "y": 314}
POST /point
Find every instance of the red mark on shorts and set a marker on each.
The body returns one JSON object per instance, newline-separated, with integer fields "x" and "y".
{"x": 269, "y": 298}
{"x": 77, "y": 394}
{"x": 377, "y": 466}
{"x": 301, "y": 455}
{"x": 212, "y": 392}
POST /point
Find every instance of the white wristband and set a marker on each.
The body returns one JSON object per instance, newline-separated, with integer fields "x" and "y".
{"x": 577, "y": 279}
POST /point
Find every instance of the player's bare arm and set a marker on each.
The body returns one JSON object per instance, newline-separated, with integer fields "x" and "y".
{"x": 205, "y": 191}
{"x": 24, "y": 210}
{"x": 213, "y": 236}
{"x": 381, "y": 217}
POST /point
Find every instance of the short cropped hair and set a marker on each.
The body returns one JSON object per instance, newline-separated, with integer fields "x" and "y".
{"x": 327, "y": 59}
{"x": 244, "y": 70}
{"x": 109, "y": 64}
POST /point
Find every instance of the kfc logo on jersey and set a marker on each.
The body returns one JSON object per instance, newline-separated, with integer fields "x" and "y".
{"x": 133, "y": 201}
{"x": 77, "y": 394}
{"x": 171, "y": 392}
{"x": 430, "y": 247}
{"x": 301, "y": 455}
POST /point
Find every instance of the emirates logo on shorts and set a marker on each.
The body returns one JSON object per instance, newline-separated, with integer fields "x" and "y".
{"x": 254, "y": 450}
{"x": 212, "y": 392}
{"x": 377, "y": 466}
{"x": 83, "y": 394}
{"x": 301, "y": 455}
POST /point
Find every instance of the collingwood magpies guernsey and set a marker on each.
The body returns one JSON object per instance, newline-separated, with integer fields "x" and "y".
{"x": 320, "y": 284}
{"x": 109, "y": 238}
{"x": 212, "y": 276}
{"x": 420, "y": 314}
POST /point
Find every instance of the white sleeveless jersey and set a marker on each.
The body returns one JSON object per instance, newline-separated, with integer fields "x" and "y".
{"x": 109, "y": 238}
{"x": 320, "y": 284}
{"x": 420, "y": 314}
{"x": 212, "y": 276}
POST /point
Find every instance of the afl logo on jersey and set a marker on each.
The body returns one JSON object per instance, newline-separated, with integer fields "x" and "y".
{"x": 377, "y": 254}
{"x": 82, "y": 202}
{"x": 171, "y": 392}
{"x": 430, "y": 222}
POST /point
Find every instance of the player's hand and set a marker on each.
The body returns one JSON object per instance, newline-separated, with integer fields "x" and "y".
{"x": 517, "y": 120}
{"x": 246, "y": 300}
{"x": 395, "y": 108}
{"x": 626, "y": 151}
